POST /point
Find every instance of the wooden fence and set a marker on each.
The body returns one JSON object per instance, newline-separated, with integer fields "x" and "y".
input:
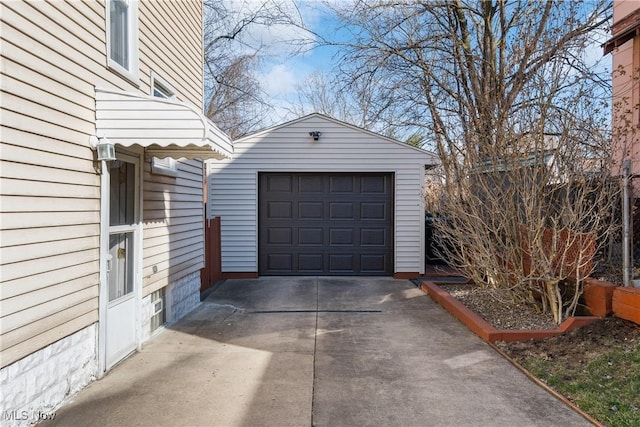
{"x": 212, "y": 271}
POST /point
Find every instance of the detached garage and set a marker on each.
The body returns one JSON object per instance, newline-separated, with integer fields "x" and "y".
{"x": 317, "y": 196}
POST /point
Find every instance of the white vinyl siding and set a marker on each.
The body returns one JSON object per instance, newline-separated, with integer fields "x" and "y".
{"x": 53, "y": 56}
{"x": 232, "y": 184}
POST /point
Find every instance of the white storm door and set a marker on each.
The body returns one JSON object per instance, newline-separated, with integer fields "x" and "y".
{"x": 121, "y": 259}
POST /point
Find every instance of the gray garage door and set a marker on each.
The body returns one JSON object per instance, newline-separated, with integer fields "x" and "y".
{"x": 325, "y": 224}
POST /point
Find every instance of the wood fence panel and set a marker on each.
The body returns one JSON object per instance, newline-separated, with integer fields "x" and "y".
{"x": 212, "y": 271}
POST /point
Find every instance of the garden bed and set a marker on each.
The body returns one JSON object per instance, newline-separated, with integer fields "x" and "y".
{"x": 508, "y": 329}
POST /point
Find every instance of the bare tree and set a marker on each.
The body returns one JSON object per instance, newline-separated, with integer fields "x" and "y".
{"x": 236, "y": 39}
{"x": 236, "y": 102}
{"x": 519, "y": 120}
{"x": 358, "y": 102}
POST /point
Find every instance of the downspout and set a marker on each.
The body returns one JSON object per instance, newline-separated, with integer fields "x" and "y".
{"x": 103, "y": 284}
{"x": 626, "y": 225}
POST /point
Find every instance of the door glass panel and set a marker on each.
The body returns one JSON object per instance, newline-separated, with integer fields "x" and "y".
{"x": 121, "y": 265}
{"x": 122, "y": 198}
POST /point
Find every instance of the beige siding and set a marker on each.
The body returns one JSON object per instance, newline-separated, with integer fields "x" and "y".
{"x": 171, "y": 42}
{"x": 173, "y": 224}
{"x": 171, "y": 45}
{"x": 49, "y": 189}
{"x": 232, "y": 184}
{"x": 53, "y": 56}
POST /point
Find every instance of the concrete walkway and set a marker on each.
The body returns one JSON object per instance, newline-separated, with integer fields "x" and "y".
{"x": 316, "y": 352}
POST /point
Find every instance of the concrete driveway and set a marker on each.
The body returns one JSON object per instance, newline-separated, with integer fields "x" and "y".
{"x": 316, "y": 351}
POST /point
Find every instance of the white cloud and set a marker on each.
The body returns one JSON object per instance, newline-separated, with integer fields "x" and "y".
{"x": 271, "y": 38}
{"x": 279, "y": 81}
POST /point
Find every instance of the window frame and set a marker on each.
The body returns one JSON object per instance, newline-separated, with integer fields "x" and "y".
{"x": 165, "y": 88}
{"x": 130, "y": 73}
{"x": 166, "y": 166}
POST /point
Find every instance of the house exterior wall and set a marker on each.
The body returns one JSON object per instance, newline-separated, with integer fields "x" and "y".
{"x": 50, "y": 197}
{"x": 53, "y": 58}
{"x": 173, "y": 210}
{"x": 626, "y": 89}
{"x": 233, "y": 193}
{"x": 622, "y": 8}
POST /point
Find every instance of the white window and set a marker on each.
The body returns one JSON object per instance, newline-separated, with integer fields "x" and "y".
{"x": 158, "y": 305}
{"x": 161, "y": 89}
{"x": 122, "y": 37}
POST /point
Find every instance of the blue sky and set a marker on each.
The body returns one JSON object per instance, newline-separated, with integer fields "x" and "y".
{"x": 285, "y": 67}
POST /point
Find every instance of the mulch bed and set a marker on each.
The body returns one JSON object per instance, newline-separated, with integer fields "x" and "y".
{"x": 497, "y": 309}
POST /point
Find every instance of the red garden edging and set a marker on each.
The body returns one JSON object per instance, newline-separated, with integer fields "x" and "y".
{"x": 488, "y": 332}
{"x": 626, "y": 304}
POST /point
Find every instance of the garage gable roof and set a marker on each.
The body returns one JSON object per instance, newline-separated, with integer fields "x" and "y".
{"x": 163, "y": 127}
{"x": 430, "y": 157}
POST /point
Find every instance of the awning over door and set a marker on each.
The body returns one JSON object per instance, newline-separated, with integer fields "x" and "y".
{"x": 163, "y": 127}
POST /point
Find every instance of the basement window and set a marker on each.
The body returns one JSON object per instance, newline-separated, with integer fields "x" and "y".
{"x": 158, "y": 307}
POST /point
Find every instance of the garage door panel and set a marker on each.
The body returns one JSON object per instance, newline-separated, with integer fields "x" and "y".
{"x": 325, "y": 223}
{"x": 374, "y": 237}
{"x": 280, "y": 236}
{"x": 341, "y": 184}
{"x": 341, "y": 263}
{"x": 373, "y": 264}
{"x": 376, "y": 210}
{"x": 280, "y": 262}
{"x": 373, "y": 184}
{"x": 310, "y": 210}
{"x": 311, "y": 236}
{"x": 280, "y": 210}
{"x": 311, "y": 263}
{"x": 341, "y": 210}
{"x": 341, "y": 236}
{"x": 310, "y": 184}
{"x": 280, "y": 183}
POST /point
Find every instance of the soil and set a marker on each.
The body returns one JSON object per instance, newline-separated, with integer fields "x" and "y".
{"x": 580, "y": 346}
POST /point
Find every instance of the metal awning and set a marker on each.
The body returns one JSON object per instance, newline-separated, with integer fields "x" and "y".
{"x": 163, "y": 127}
{"x": 622, "y": 37}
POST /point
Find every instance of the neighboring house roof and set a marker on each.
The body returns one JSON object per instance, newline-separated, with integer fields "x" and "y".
{"x": 623, "y": 31}
{"x": 164, "y": 127}
{"x": 433, "y": 157}
{"x": 622, "y": 38}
